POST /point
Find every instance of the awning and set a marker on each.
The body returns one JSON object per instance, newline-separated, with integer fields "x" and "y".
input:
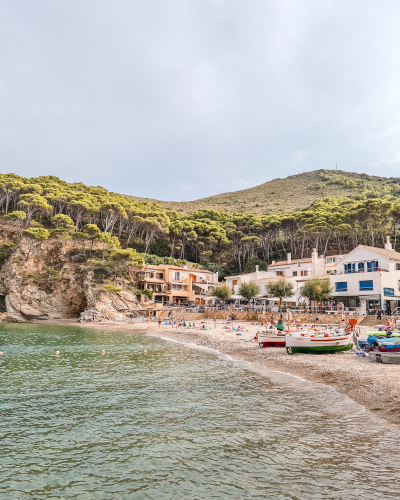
{"x": 202, "y": 286}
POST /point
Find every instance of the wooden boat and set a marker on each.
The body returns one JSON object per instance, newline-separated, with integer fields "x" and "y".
{"x": 273, "y": 339}
{"x": 383, "y": 333}
{"x": 318, "y": 342}
{"x": 381, "y": 344}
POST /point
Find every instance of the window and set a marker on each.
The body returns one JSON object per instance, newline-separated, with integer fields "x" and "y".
{"x": 349, "y": 268}
{"x": 397, "y": 267}
{"x": 361, "y": 267}
{"x": 177, "y": 276}
{"x": 331, "y": 260}
{"x": 160, "y": 276}
{"x": 341, "y": 286}
{"x": 234, "y": 282}
{"x": 304, "y": 273}
{"x": 366, "y": 285}
{"x": 372, "y": 266}
{"x": 294, "y": 273}
{"x": 280, "y": 273}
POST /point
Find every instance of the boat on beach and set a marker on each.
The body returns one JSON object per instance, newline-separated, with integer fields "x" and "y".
{"x": 318, "y": 342}
{"x": 273, "y": 339}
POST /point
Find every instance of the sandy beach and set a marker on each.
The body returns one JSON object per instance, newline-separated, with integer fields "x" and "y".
{"x": 375, "y": 386}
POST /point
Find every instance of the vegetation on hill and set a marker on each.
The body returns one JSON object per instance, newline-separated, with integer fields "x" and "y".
{"x": 96, "y": 220}
{"x": 293, "y": 193}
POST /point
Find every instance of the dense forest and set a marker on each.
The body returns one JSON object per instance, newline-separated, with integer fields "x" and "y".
{"x": 52, "y": 208}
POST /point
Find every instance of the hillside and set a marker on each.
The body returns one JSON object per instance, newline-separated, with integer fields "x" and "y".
{"x": 293, "y": 193}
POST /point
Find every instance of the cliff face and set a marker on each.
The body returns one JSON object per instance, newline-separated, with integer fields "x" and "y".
{"x": 47, "y": 284}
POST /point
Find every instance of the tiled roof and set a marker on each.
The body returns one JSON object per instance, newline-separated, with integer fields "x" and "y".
{"x": 286, "y": 263}
{"x": 390, "y": 254}
{"x": 170, "y": 266}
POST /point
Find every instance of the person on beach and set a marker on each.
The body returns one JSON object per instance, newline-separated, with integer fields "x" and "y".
{"x": 159, "y": 321}
{"x": 379, "y": 315}
{"x": 215, "y": 324}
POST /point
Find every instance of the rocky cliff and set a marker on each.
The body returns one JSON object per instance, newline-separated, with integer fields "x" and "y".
{"x": 46, "y": 283}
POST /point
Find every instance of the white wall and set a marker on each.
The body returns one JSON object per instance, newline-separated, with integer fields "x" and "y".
{"x": 361, "y": 254}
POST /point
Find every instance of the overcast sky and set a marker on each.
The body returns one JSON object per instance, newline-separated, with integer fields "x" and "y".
{"x": 181, "y": 99}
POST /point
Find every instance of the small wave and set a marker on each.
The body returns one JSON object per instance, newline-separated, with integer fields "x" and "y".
{"x": 201, "y": 347}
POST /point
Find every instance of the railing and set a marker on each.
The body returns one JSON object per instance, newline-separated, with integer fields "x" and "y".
{"x": 373, "y": 270}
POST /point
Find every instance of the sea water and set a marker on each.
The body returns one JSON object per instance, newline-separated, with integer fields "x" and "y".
{"x": 175, "y": 423}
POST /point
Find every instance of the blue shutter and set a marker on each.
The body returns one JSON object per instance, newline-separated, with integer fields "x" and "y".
{"x": 366, "y": 285}
{"x": 341, "y": 286}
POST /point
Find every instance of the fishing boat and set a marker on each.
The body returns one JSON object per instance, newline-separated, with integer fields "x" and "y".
{"x": 383, "y": 333}
{"x": 273, "y": 339}
{"x": 318, "y": 342}
{"x": 375, "y": 343}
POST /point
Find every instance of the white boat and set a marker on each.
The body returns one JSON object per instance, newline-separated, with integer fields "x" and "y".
{"x": 318, "y": 342}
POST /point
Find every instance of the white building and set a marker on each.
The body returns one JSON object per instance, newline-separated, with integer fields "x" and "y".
{"x": 234, "y": 282}
{"x": 299, "y": 267}
{"x": 368, "y": 277}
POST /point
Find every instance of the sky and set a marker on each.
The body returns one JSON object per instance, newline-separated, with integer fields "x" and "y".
{"x": 182, "y": 99}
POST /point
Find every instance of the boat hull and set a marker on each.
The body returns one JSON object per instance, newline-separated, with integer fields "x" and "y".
{"x": 271, "y": 340}
{"x": 326, "y": 345}
{"x": 273, "y": 343}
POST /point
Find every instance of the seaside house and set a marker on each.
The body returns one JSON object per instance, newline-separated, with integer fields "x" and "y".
{"x": 152, "y": 278}
{"x": 298, "y": 267}
{"x": 368, "y": 277}
{"x": 234, "y": 282}
{"x": 203, "y": 282}
{"x": 179, "y": 289}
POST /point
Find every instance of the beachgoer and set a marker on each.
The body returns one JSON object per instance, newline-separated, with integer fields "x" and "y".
{"x": 159, "y": 321}
{"x": 379, "y": 315}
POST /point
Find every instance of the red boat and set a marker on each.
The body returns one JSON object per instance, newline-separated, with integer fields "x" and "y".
{"x": 272, "y": 339}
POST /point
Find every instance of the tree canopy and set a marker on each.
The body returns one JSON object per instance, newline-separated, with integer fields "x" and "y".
{"x": 234, "y": 242}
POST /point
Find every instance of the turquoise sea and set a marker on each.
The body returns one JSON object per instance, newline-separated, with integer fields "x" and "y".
{"x": 175, "y": 423}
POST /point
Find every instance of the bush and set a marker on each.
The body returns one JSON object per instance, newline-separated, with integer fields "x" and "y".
{"x": 111, "y": 288}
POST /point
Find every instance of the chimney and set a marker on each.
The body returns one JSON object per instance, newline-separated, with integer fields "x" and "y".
{"x": 272, "y": 263}
{"x": 289, "y": 258}
{"x": 388, "y": 245}
{"x": 314, "y": 258}
{"x": 257, "y": 272}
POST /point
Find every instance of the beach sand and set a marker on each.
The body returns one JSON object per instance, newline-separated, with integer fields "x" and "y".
{"x": 375, "y": 386}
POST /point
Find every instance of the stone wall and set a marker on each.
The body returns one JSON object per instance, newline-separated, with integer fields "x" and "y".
{"x": 301, "y": 317}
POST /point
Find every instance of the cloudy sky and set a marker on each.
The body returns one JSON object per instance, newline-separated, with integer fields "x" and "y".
{"x": 181, "y": 99}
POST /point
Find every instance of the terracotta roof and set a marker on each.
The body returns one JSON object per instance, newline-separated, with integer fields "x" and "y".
{"x": 390, "y": 254}
{"x": 170, "y": 266}
{"x": 295, "y": 261}
{"x": 273, "y": 278}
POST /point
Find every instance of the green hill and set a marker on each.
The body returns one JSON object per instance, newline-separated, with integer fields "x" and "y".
{"x": 292, "y": 193}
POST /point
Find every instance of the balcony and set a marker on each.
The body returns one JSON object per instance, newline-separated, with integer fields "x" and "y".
{"x": 364, "y": 271}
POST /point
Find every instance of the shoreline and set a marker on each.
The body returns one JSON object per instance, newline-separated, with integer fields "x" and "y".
{"x": 375, "y": 386}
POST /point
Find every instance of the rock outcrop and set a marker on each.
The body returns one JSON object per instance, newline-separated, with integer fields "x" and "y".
{"x": 48, "y": 284}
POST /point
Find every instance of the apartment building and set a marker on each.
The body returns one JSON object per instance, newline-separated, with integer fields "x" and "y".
{"x": 368, "y": 277}
{"x": 203, "y": 282}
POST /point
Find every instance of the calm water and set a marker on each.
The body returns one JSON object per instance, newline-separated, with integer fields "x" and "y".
{"x": 175, "y": 423}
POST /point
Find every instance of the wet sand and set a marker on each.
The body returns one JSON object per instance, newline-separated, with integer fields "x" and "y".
{"x": 376, "y": 386}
